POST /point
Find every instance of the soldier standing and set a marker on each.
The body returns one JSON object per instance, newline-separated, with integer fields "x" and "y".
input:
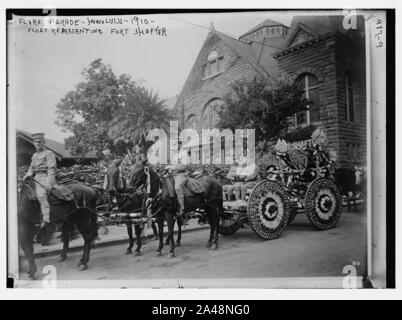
{"x": 180, "y": 177}
{"x": 43, "y": 167}
{"x": 180, "y": 180}
{"x": 105, "y": 163}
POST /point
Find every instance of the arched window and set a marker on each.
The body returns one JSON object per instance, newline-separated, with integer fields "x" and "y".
{"x": 349, "y": 106}
{"x": 210, "y": 116}
{"x": 214, "y": 63}
{"x": 191, "y": 122}
{"x": 310, "y": 86}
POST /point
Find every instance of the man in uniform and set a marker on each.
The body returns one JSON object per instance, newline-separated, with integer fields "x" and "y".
{"x": 180, "y": 177}
{"x": 105, "y": 163}
{"x": 43, "y": 167}
{"x": 180, "y": 180}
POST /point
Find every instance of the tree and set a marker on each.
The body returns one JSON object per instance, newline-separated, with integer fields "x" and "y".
{"x": 262, "y": 105}
{"x": 141, "y": 111}
{"x": 105, "y": 108}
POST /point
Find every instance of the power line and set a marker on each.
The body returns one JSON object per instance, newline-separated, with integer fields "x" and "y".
{"x": 226, "y": 34}
{"x": 193, "y": 24}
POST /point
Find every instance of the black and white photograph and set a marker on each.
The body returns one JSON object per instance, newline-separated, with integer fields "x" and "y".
{"x": 196, "y": 148}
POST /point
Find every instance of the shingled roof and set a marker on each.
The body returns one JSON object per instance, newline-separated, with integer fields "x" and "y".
{"x": 265, "y": 50}
{"x": 257, "y": 53}
{"x": 242, "y": 48}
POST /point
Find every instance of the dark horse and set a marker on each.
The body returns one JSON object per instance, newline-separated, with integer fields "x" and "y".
{"x": 80, "y": 213}
{"x": 163, "y": 204}
{"x": 116, "y": 187}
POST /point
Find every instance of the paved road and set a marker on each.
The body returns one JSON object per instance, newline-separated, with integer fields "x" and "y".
{"x": 299, "y": 252}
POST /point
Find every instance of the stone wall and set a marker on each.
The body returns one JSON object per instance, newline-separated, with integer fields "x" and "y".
{"x": 199, "y": 90}
{"x": 328, "y": 60}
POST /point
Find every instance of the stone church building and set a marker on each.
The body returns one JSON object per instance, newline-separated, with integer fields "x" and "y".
{"x": 327, "y": 60}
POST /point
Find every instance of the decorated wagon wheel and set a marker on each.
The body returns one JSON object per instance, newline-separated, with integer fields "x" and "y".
{"x": 323, "y": 203}
{"x": 268, "y": 209}
{"x": 227, "y": 224}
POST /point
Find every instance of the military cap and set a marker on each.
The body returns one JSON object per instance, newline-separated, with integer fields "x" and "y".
{"x": 38, "y": 136}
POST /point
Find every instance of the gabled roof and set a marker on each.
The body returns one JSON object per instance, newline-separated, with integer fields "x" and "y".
{"x": 312, "y": 29}
{"x": 299, "y": 30}
{"x": 314, "y": 26}
{"x": 265, "y": 50}
{"x": 265, "y": 23}
{"x": 242, "y": 48}
{"x": 317, "y": 25}
{"x": 259, "y": 54}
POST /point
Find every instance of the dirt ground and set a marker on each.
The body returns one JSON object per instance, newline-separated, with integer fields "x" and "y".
{"x": 301, "y": 251}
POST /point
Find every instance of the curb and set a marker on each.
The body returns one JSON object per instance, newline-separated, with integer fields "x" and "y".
{"x": 107, "y": 243}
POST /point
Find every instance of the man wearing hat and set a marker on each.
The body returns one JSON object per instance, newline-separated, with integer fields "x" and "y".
{"x": 181, "y": 176}
{"x": 43, "y": 167}
{"x": 180, "y": 179}
{"x": 106, "y": 162}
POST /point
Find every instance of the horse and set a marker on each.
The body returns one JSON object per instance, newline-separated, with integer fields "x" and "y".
{"x": 137, "y": 201}
{"x": 117, "y": 185}
{"x": 80, "y": 213}
{"x": 164, "y": 205}
{"x": 114, "y": 183}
